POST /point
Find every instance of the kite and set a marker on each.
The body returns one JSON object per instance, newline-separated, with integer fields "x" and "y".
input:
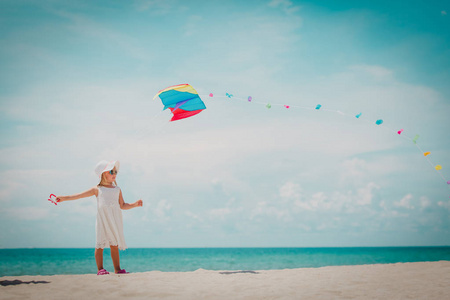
{"x": 183, "y": 100}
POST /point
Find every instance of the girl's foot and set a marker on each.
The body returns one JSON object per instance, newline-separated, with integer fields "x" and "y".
{"x": 122, "y": 272}
{"x": 102, "y": 272}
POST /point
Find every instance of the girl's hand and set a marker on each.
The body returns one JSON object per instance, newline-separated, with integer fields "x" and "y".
{"x": 59, "y": 199}
{"x": 138, "y": 203}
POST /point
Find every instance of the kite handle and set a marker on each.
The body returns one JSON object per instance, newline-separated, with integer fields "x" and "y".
{"x": 55, "y": 200}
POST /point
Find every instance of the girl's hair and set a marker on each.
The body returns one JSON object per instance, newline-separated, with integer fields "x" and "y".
{"x": 103, "y": 181}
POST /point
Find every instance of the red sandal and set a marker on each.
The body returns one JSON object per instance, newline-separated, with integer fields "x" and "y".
{"x": 102, "y": 272}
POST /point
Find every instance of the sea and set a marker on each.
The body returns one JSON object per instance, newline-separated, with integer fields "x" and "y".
{"x": 16, "y": 262}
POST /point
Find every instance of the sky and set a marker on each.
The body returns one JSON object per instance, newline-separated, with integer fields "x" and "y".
{"x": 77, "y": 81}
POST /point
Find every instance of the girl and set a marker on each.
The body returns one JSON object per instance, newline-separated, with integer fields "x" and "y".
{"x": 109, "y": 227}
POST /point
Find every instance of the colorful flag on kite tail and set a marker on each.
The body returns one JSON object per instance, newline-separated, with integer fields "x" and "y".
{"x": 183, "y": 100}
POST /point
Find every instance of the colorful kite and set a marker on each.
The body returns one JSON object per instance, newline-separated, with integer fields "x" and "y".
{"x": 183, "y": 100}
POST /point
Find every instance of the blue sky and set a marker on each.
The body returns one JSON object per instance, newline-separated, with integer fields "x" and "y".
{"x": 76, "y": 86}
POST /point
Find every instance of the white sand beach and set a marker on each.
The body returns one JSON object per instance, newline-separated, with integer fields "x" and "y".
{"x": 421, "y": 280}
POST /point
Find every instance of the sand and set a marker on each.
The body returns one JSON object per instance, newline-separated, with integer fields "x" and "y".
{"x": 421, "y": 280}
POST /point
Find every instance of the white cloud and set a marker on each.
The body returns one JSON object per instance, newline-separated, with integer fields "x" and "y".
{"x": 348, "y": 202}
{"x": 405, "y": 202}
{"x": 356, "y": 171}
{"x": 86, "y": 27}
{"x": 266, "y": 209}
{"x": 444, "y": 204}
{"x": 163, "y": 209}
{"x": 193, "y": 216}
{"x": 354, "y": 168}
{"x": 376, "y": 72}
{"x": 290, "y": 190}
{"x": 23, "y": 186}
{"x": 220, "y": 213}
{"x": 156, "y": 7}
{"x": 317, "y": 201}
{"x": 27, "y": 213}
{"x": 287, "y": 6}
{"x": 9, "y": 188}
{"x": 365, "y": 194}
{"x": 425, "y": 202}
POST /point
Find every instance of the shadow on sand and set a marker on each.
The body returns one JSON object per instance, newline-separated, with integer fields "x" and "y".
{"x": 238, "y": 272}
{"x": 17, "y": 282}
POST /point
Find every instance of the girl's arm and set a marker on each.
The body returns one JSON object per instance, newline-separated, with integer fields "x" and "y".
{"x": 91, "y": 192}
{"x": 124, "y": 205}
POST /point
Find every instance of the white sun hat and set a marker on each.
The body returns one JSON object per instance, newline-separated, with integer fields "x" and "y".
{"x": 104, "y": 166}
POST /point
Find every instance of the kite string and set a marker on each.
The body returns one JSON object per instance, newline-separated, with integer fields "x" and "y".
{"x": 431, "y": 164}
{"x": 311, "y": 108}
{"x": 400, "y": 133}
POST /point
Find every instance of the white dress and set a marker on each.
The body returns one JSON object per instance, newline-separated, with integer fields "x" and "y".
{"x": 109, "y": 226}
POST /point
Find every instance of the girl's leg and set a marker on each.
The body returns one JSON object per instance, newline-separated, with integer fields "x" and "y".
{"x": 115, "y": 258}
{"x": 99, "y": 258}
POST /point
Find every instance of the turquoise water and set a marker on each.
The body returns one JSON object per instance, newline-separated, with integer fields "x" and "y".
{"x": 14, "y": 262}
